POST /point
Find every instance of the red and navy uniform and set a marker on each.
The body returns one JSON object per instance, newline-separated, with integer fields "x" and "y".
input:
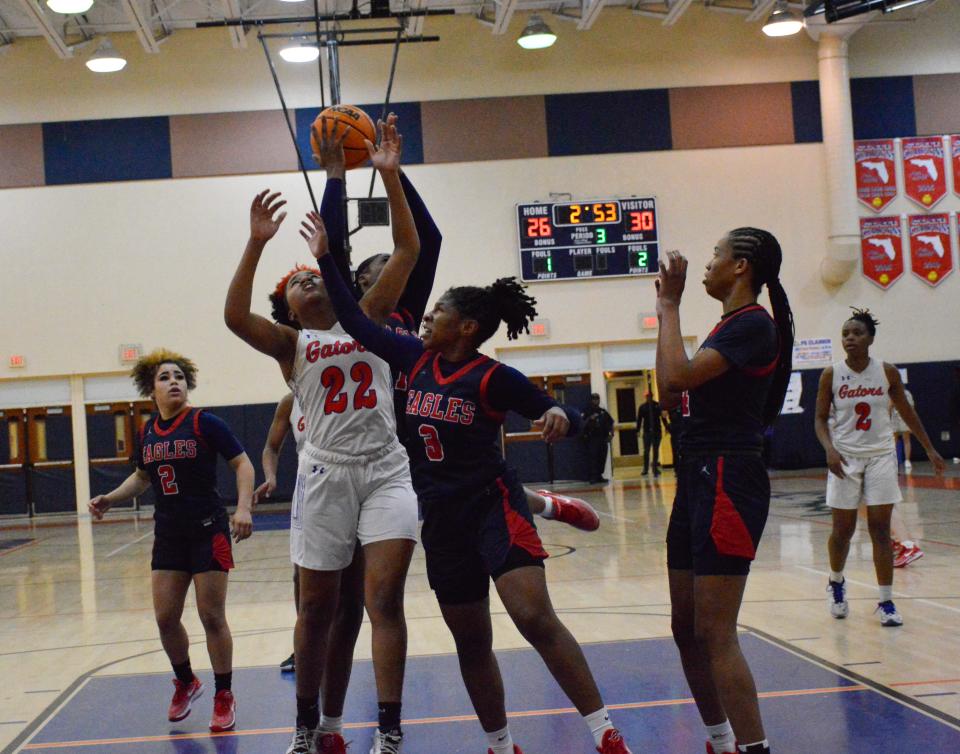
{"x": 723, "y": 491}
{"x": 180, "y": 456}
{"x": 476, "y": 523}
{"x": 413, "y": 302}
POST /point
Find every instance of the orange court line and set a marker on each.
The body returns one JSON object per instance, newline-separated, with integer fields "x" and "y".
{"x": 9, "y": 550}
{"x": 426, "y": 720}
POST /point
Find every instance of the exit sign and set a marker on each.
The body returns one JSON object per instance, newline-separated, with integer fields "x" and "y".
{"x": 539, "y": 328}
{"x": 130, "y": 353}
{"x": 18, "y": 361}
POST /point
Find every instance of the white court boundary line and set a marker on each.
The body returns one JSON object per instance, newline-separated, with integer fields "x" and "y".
{"x": 922, "y": 600}
{"x": 129, "y": 544}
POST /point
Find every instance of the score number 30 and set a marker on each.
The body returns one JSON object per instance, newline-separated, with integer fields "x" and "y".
{"x": 640, "y": 221}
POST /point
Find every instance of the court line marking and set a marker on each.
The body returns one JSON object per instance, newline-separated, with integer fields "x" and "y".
{"x": 432, "y": 720}
{"x": 898, "y": 595}
{"x": 129, "y": 544}
{"x": 17, "y": 548}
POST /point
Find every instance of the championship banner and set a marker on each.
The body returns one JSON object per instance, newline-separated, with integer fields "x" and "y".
{"x": 876, "y": 176}
{"x": 955, "y": 152}
{"x": 924, "y": 170}
{"x": 931, "y": 257}
{"x": 881, "y": 249}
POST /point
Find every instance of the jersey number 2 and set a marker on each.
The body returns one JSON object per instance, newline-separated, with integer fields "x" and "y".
{"x": 431, "y": 441}
{"x": 333, "y": 379}
{"x": 864, "y": 422}
{"x": 168, "y": 479}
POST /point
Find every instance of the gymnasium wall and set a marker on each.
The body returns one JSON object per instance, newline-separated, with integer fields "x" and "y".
{"x": 90, "y": 266}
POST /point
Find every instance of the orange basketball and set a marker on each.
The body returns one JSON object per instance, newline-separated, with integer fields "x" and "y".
{"x": 359, "y": 127}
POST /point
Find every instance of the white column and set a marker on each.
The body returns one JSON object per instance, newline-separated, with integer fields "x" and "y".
{"x": 598, "y": 385}
{"x": 843, "y": 242}
{"x": 81, "y": 453}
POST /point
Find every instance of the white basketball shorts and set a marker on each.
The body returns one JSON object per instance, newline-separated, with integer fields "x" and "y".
{"x": 873, "y": 480}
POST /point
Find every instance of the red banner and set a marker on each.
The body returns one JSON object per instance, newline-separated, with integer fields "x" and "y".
{"x": 876, "y": 176}
{"x": 931, "y": 257}
{"x": 881, "y": 249}
{"x": 924, "y": 170}
{"x": 955, "y": 152}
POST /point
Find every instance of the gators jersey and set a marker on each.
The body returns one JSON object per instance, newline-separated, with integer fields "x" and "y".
{"x": 453, "y": 431}
{"x": 401, "y": 322}
{"x": 180, "y": 455}
{"x": 860, "y": 425}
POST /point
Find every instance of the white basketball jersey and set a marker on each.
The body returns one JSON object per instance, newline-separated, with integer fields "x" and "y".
{"x": 345, "y": 393}
{"x": 298, "y": 424}
{"x": 860, "y": 422}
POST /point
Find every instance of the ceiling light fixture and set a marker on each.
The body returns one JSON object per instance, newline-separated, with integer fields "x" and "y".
{"x": 69, "y": 7}
{"x": 106, "y": 59}
{"x": 782, "y": 22}
{"x": 300, "y": 53}
{"x": 536, "y": 35}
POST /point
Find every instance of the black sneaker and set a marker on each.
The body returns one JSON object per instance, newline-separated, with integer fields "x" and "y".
{"x": 287, "y": 666}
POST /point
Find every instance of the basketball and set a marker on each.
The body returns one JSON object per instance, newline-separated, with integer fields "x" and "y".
{"x": 359, "y": 127}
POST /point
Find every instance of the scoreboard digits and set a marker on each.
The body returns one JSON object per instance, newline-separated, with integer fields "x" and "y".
{"x": 603, "y": 238}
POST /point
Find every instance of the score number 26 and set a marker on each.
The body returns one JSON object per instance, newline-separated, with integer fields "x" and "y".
{"x": 539, "y": 227}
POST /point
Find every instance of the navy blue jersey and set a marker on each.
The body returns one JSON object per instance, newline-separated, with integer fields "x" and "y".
{"x": 726, "y": 413}
{"x": 180, "y": 455}
{"x": 453, "y": 411}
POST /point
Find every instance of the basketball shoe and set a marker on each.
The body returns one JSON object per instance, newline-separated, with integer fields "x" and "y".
{"x": 711, "y": 750}
{"x": 839, "y": 607}
{"x": 331, "y": 743}
{"x": 304, "y": 741}
{"x": 889, "y": 616}
{"x": 386, "y": 743}
{"x": 224, "y": 711}
{"x": 908, "y": 553}
{"x": 288, "y": 665}
{"x": 183, "y": 696}
{"x": 573, "y": 511}
{"x": 516, "y": 750}
{"x": 613, "y": 743}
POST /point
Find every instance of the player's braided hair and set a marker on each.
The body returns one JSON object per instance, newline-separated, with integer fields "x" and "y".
{"x": 868, "y": 320}
{"x": 762, "y": 250}
{"x": 279, "y": 309}
{"x": 145, "y": 370}
{"x": 506, "y": 300}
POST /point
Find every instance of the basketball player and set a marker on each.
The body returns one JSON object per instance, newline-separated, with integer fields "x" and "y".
{"x": 853, "y": 426}
{"x": 353, "y": 477}
{"x": 413, "y": 302}
{"x": 476, "y": 524}
{"x": 176, "y": 452}
{"x": 729, "y": 391}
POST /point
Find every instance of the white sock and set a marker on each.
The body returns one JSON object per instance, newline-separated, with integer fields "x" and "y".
{"x": 549, "y": 509}
{"x": 599, "y": 723}
{"x": 836, "y": 577}
{"x": 721, "y": 737}
{"x": 331, "y": 724}
{"x": 908, "y": 543}
{"x": 886, "y": 593}
{"x": 501, "y": 742}
{"x": 764, "y": 744}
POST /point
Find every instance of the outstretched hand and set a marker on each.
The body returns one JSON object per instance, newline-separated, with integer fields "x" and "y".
{"x": 386, "y": 156}
{"x": 553, "y": 425}
{"x": 329, "y": 136}
{"x": 672, "y": 278}
{"x": 314, "y": 232}
{"x": 264, "y": 220}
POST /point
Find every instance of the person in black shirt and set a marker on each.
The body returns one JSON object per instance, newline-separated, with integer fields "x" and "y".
{"x": 176, "y": 452}
{"x": 673, "y": 421}
{"x": 728, "y": 392}
{"x": 596, "y": 433}
{"x": 648, "y": 427}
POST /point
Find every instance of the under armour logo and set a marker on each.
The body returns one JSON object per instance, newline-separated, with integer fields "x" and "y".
{"x": 318, "y": 469}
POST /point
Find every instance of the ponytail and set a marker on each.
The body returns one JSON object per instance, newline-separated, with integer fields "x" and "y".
{"x": 505, "y": 301}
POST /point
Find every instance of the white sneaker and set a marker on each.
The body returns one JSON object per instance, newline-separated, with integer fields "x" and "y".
{"x": 888, "y": 614}
{"x": 304, "y": 741}
{"x": 907, "y": 466}
{"x": 386, "y": 743}
{"x": 839, "y": 608}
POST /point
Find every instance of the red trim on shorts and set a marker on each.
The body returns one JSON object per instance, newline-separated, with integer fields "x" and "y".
{"x": 177, "y": 422}
{"x": 521, "y": 532}
{"x": 222, "y": 552}
{"x": 459, "y": 373}
{"x": 730, "y": 535}
{"x": 484, "y": 403}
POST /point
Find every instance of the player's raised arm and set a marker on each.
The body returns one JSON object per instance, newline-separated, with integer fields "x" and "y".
{"x": 274, "y": 340}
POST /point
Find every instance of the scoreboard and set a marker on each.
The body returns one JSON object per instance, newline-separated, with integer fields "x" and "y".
{"x": 596, "y": 239}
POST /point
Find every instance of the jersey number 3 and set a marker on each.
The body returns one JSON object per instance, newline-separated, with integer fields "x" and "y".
{"x": 864, "y": 422}
{"x": 431, "y": 441}
{"x": 168, "y": 479}
{"x": 333, "y": 380}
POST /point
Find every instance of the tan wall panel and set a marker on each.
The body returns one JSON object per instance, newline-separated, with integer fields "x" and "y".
{"x": 474, "y": 130}
{"x": 230, "y": 144}
{"x": 21, "y": 156}
{"x": 937, "y": 102}
{"x": 731, "y": 116}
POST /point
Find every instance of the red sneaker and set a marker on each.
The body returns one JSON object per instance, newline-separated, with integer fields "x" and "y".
{"x": 906, "y": 556}
{"x": 613, "y": 743}
{"x": 331, "y": 743}
{"x": 573, "y": 511}
{"x": 711, "y": 750}
{"x": 224, "y": 711}
{"x": 898, "y": 548}
{"x": 516, "y": 749}
{"x": 183, "y": 697}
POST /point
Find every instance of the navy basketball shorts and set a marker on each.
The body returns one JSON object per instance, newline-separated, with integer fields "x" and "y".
{"x": 469, "y": 541}
{"x": 718, "y": 514}
{"x": 193, "y": 547}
